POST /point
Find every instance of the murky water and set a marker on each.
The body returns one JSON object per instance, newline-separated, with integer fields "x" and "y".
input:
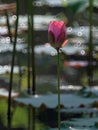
{"x": 71, "y": 73}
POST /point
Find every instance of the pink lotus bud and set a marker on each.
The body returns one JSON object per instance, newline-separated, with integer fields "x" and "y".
{"x": 57, "y": 34}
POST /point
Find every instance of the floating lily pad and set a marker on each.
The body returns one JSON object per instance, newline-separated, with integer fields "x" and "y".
{"x": 51, "y": 100}
{"x": 83, "y": 122}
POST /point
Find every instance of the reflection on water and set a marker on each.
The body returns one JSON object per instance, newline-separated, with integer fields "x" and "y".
{"x": 6, "y": 69}
{"x": 23, "y": 118}
{"x": 40, "y": 22}
{"x": 5, "y": 46}
{"x": 27, "y": 117}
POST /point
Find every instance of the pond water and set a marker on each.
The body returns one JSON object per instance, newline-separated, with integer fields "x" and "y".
{"x": 71, "y": 74}
{"x": 29, "y": 118}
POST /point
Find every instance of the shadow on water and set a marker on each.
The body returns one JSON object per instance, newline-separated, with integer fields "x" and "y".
{"x": 2, "y": 127}
{"x": 50, "y": 117}
{"x": 23, "y": 118}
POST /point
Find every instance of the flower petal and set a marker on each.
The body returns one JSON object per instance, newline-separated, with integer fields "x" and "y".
{"x": 65, "y": 42}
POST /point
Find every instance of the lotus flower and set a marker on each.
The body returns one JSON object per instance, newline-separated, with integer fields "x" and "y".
{"x": 57, "y": 39}
{"x": 57, "y": 34}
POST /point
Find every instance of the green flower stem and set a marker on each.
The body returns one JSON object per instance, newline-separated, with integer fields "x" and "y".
{"x": 33, "y": 54}
{"x": 12, "y": 67}
{"x": 20, "y": 71}
{"x": 90, "y": 53}
{"x": 58, "y": 65}
{"x": 31, "y": 35}
{"x": 29, "y": 40}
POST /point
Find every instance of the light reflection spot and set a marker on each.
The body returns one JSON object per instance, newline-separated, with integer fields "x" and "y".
{"x": 79, "y": 33}
{"x": 47, "y": 45}
{"x": 23, "y": 25}
{"x": 70, "y": 128}
{"x": 79, "y": 43}
{"x": 7, "y": 39}
{"x": 19, "y": 40}
{"x": 36, "y": 3}
{"x": 82, "y": 28}
{"x": 53, "y": 53}
{"x": 36, "y": 96}
{"x": 14, "y": 17}
{"x": 6, "y": 67}
{"x": 69, "y": 29}
{"x": 71, "y": 86}
{"x": 82, "y": 52}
